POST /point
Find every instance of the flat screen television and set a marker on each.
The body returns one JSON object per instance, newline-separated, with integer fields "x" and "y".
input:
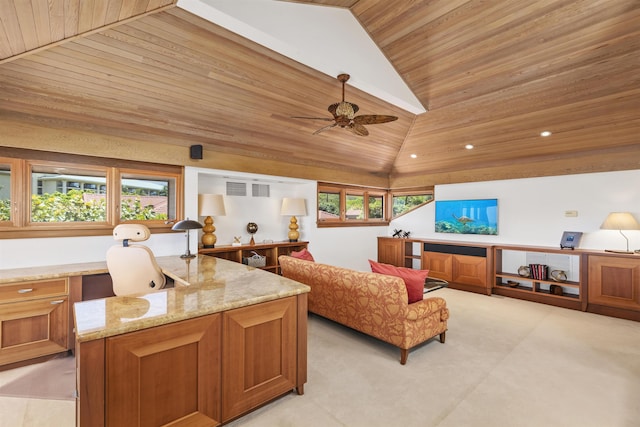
{"x": 479, "y": 216}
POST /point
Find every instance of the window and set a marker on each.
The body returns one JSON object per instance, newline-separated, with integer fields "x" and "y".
{"x": 50, "y": 195}
{"x": 340, "y": 205}
{"x": 407, "y": 200}
{"x": 146, "y": 197}
{"x": 57, "y": 195}
{"x": 5, "y": 190}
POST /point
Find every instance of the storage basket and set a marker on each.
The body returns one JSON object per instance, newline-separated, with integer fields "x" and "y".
{"x": 256, "y": 260}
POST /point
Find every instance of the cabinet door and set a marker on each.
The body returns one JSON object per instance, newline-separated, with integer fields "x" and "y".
{"x": 440, "y": 265}
{"x": 470, "y": 270}
{"x": 167, "y": 375}
{"x": 259, "y": 355}
{"x": 390, "y": 251}
{"x": 33, "y": 328}
{"x": 614, "y": 282}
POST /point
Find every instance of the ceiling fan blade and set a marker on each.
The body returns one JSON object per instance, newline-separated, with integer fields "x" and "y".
{"x": 326, "y": 119}
{"x": 373, "y": 119}
{"x": 358, "y": 129}
{"x": 324, "y": 128}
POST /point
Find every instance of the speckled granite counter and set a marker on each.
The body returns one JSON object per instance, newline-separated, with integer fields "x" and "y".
{"x": 26, "y": 274}
{"x": 203, "y": 285}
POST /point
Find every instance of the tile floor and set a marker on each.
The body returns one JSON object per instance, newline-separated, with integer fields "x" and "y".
{"x": 506, "y": 362}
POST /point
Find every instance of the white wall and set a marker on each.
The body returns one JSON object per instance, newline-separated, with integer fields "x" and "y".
{"x": 530, "y": 212}
{"x": 347, "y": 247}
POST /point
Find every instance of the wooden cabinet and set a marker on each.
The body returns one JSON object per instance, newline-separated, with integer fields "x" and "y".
{"x": 34, "y": 319}
{"x": 197, "y": 372}
{"x": 159, "y": 375}
{"x": 399, "y": 252}
{"x": 510, "y": 282}
{"x": 259, "y": 355}
{"x": 465, "y": 266}
{"x": 614, "y": 285}
{"x": 271, "y": 252}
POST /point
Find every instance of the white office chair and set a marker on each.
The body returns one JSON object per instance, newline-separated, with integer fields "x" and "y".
{"x": 133, "y": 268}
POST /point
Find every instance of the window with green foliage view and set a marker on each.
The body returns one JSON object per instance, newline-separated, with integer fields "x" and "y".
{"x": 53, "y": 195}
{"x": 340, "y": 205}
{"x": 406, "y": 202}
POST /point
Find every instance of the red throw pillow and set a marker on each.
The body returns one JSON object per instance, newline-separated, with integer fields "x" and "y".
{"x": 413, "y": 279}
{"x": 303, "y": 254}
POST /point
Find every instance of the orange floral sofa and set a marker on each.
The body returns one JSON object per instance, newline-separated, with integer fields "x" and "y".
{"x": 375, "y": 304}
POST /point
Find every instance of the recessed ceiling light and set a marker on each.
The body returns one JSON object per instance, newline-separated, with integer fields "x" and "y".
{"x": 414, "y": 156}
{"x": 469, "y": 146}
{"x": 545, "y": 133}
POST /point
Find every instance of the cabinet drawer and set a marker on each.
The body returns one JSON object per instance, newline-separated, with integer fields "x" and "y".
{"x": 32, "y": 329}
{"x": 31, "y": 290}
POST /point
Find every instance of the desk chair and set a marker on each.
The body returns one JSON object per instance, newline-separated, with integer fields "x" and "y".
{"x": 133, "y": 268}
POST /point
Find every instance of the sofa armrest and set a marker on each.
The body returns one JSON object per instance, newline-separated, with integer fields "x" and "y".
{"x": 427, "y": 307}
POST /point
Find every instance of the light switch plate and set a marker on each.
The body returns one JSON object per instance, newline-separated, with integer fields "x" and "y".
{"x": 571, "y": 213}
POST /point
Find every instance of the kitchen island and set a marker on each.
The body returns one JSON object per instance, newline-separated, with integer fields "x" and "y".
{"x": 226, "y": 339}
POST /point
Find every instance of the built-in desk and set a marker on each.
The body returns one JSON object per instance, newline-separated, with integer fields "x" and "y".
{"x": 36, "y": 315}
{"x": 224, "y": 340}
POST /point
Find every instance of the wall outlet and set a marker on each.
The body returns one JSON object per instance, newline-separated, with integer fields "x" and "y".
{"x": 570, "y": 213}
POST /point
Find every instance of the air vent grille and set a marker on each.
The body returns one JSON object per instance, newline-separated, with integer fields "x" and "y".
{"x": 236, "y": 189}
{"x": 260, "y": 190}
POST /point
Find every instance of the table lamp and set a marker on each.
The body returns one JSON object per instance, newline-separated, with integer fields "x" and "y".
{"x": 293, "y": 207}
{"x": 210, "y": 205}
{"x": 620, "y": 221}
{"x": 186, "y": 225}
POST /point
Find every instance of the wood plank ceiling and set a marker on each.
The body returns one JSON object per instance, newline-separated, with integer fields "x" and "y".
{"x": 492, "y": 74}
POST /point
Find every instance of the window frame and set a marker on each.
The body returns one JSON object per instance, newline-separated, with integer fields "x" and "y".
{"x": 21, "y": 162}
{"x": 343, "y": 191}
{"x": 410, "y": 192}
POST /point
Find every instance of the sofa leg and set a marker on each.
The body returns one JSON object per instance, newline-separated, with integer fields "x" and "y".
{"x": 404, "y": 353}
{"x": 443, "y": 336}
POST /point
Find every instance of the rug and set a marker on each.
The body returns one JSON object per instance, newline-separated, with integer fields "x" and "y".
{"x": 54, "y": 379}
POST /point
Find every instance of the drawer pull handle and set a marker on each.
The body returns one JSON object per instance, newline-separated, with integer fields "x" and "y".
{"x": 60, "y": 301}
{"x": 25, "y": 291}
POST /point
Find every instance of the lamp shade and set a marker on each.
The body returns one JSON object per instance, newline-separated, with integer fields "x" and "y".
{"x": 620, "y": 221}
{"x": 211, "y": 205}
{"x": 293, "y": 207}
{"x": 186, "y": 224}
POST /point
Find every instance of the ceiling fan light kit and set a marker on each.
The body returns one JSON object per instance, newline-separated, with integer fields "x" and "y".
{"x": 344, "y": 115}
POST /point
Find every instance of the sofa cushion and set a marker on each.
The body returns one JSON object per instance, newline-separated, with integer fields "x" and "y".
{"x": 413, "y": 279}
{"x": 303, "y": 254}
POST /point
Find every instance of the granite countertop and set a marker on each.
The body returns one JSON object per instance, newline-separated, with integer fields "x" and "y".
{"x": 28, "y": 274}
{"x": 203, "y": 285}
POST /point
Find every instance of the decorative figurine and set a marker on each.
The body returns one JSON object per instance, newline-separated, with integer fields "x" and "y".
{"x": 252, "y": 228}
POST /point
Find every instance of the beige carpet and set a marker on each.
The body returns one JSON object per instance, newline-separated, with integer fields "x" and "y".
{"x": 54, "y": 379}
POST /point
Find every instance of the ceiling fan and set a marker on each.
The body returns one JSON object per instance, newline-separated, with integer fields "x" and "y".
{"x": 344, "y": 115}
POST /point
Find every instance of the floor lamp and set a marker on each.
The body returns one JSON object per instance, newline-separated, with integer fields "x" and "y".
{"x": 620, "y": 221}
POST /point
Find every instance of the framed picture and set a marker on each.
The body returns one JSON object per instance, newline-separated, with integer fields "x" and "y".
{"x": 570, "y": 239}
{"x": 478, "y": 216}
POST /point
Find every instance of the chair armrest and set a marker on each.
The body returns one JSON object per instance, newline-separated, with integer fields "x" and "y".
{"x": 427, "y": 307}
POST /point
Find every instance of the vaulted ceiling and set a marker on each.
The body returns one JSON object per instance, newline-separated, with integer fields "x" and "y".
{"x": 492, "y": 74}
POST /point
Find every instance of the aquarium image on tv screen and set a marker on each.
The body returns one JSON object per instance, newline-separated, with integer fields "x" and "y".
{"x": 467, "y": 216}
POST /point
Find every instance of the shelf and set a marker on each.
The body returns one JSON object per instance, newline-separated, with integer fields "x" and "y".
{"x": 508, "y": 258}
{"x": 517, "y": 277}
{"x": 530, "y": 290}
{"x": 271, "y": 251}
